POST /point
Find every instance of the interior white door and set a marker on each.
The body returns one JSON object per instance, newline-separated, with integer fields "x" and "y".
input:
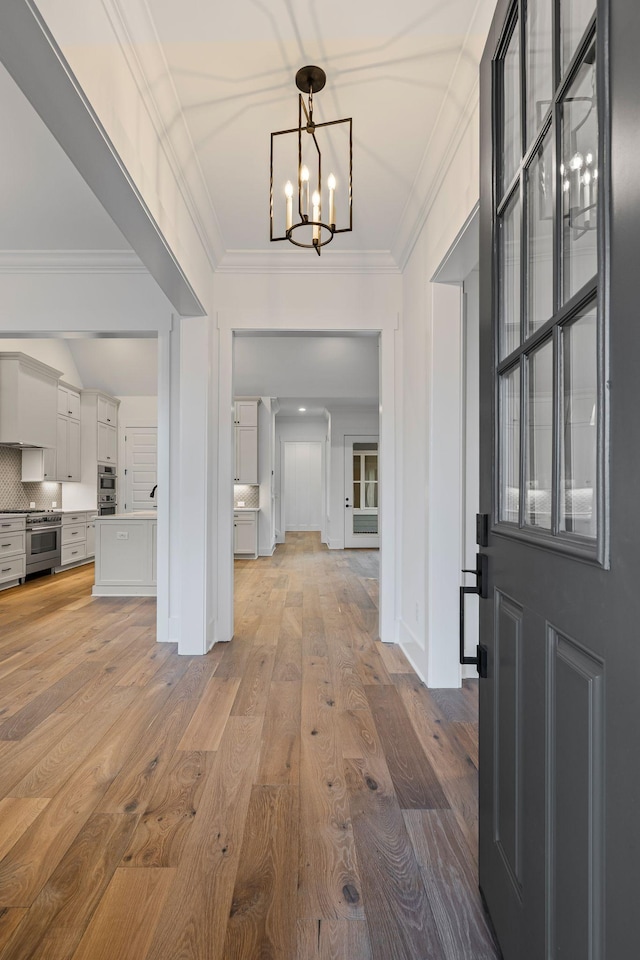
{"x": 302, "y": 482}
{"x": 361, "y": 492}
{"x": 141, "y": 468}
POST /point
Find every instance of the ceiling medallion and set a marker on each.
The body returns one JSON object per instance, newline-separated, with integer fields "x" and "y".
{"x": 296, "y": 214}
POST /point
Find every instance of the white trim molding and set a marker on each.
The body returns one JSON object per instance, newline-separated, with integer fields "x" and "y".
{"x": 285, "y": 260}
{"x": 70, "y": 261}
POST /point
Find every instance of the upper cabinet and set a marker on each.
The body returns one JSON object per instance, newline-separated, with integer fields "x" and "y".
{"x": 99, "y": 429}
{"x": 246, "y": 413}
{"x": 107, "y": 410}
{"x": 246, "y": 441}
{"x": 107, "y": 443}
{"x": 28, "y": 401}
{"x": 68, "y": 401}
{"x": 61, "y": 462}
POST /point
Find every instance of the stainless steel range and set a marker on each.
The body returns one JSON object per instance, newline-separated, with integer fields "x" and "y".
{"x": 44, "y": 541}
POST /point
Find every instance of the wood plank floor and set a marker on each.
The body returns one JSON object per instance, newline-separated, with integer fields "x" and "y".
{"x": 296, "y": 794}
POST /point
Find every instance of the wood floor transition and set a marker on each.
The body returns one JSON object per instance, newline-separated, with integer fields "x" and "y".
{"x": 297, "y": 794}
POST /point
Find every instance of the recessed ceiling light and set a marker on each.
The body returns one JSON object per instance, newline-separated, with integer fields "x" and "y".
{"x": 302, "y": 409}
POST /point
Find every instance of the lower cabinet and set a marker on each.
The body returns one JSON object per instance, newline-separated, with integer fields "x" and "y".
{"x": 245, "y": 535}
{"x": 74, "y": 538}
{"x": 12, "y": 550}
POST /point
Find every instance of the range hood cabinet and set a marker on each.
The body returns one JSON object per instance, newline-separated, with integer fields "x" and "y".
{"x": 28, "y": 401}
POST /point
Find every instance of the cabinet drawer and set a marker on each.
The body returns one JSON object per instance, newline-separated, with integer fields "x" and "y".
{"x": 75, "y": 533}
{"x": 12, "y": 569}
{"x": 79, "y": 517}
{"x": 73, "y": 551}
{"x": 12, "y": 544}
{"x": 11, "y": 526}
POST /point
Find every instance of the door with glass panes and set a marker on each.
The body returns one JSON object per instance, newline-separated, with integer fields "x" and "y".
{"x": 560, "y": 470}
{"x": 361, "y": 485}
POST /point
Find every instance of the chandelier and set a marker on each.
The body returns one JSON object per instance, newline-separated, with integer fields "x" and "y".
{"x": 304, "y": 210}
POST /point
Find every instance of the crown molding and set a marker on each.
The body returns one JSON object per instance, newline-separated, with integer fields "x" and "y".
{"x": 137, "y": 36}
{"x": 70, "y": 261}
{"x": 299, "y": 261}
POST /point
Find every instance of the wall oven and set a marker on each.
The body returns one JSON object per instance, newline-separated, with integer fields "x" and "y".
{"x": 44, "y": 542}
{"x": 107, "y": 509}
{"x": 107, "y": 479}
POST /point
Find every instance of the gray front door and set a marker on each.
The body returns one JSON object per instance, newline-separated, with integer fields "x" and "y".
{"x": 560, "y": 471}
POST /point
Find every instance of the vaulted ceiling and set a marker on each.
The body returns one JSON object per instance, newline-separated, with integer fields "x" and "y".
{"x": 405, "y": 71}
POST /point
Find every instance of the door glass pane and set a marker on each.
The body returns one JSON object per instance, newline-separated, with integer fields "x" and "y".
{"x": 539, "y": 60}
{"x": 511, "y": 131}
{"x": 356, "y": 467}
{"x": 510, "y": 277}
{"x": 579, "y": 173}
{"x": 365, "y": 524}
{"x": 356, "y": 495}
{"x": 539, "y": 469}
{"x": 510, "y": 446}
{"x": 580, "y": 430}
{"x": 540, "y": 238}
{"x": 574, "y": 17}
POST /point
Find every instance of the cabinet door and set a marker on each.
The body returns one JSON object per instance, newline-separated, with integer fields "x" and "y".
{"x": 246, "y": 414}
{"x": 73, "y": 450}
{"x": 49, "y": 464}
{"x": 244, "y": 536}
{"x": 91, "y": 538}
{"x": 107, "y": 443}
{"x": 246, "y": 455}
{"x": 112, "y": 444}
{"x": 107, "y": 410}
{"x": 68, "y": 402}
{"x": 62, "y": 448}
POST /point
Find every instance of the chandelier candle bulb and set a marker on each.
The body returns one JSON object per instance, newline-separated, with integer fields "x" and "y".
{"x": 304, "y": 179}
{"x": 316, "y": 214}
{"x": 288, "y": 190}
{"x": 331, "y": 183}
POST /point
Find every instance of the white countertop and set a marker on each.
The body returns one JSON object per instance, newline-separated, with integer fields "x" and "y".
{"x": 134, "y": 515}
{"x": 246, "y": 509}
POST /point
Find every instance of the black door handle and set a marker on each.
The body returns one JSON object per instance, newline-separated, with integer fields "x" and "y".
{"x": 481, "y": 588}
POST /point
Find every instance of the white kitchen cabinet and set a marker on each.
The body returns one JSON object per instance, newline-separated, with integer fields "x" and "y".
{"x": 28, "y": 401}
{"x": 125, "y": 555}
{"x": 107, "y": 410}
{"x": 245, "y": 534}
{"x": 107, "y": 443}
{"x": 39, "y": 465}
{"x": 68, "y": 450}
{"x": 68, "y": 401}
{"x": 12, "y": 551}
{"x": 74, "y": 537}
{"x": 246, "y": 413}
{"x": 91, "y": 534}
{"x": 246, "y": 455}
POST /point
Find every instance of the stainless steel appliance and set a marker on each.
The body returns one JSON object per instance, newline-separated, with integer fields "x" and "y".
{"x": 107, "y": 480}
{"x": 44, "y": 539}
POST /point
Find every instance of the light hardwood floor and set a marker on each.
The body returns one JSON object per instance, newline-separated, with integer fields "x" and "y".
{"x": 295, "y": 794}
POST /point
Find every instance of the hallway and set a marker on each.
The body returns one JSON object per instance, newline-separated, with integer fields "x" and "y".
{"x": 297, "y": 793}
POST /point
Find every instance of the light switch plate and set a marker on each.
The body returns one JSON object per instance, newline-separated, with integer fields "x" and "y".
{"x": 241, "y": 503}
{"x": 122, "y": 535}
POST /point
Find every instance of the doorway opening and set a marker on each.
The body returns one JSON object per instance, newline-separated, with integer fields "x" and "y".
{"x": 314, "y": 395}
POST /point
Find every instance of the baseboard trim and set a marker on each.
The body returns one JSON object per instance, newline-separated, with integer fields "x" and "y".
{"x": 335, "y": 544}
{"x": 411, "y": 648}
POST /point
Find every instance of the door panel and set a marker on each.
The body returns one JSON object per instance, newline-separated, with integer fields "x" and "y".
{"x": 508, "y": 709}
{"x": 558, "y": 468}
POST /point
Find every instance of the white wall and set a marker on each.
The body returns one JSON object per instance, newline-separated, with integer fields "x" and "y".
{"x": 431, "y": 532}
{"x": 306, "y": 367}
{"x": 120, "y": 367}
{"x": 54, "y": 352}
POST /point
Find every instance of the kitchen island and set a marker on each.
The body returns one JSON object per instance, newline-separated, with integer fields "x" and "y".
{"x": 126, "y": 546}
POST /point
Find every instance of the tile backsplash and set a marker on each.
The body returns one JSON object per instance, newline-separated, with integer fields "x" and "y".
{"x": 16, "y": 495}
{"x": 250, "y": 495}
